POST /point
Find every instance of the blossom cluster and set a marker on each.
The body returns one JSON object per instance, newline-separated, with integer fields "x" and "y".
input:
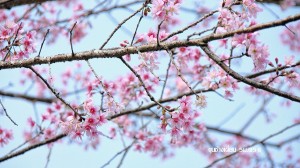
{"x": 164, "y": 9}
{"x": 182, "y": 123}
{"x": 15, "y": 44}
{"x": 76, "y": 128}
{"x": 5, "y": 136}
{"x": 230, "y": 20}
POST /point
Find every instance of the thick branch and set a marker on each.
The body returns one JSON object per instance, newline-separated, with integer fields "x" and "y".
{"x": 7, "y": 4}
{"x": 119, "y": 52}
{"x": 26, "y": 97}
{"x": 252, "y": 29}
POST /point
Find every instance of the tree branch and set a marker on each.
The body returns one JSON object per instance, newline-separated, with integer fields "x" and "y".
{"x": 8, "y": 4}
{"x": 247, "y": 80}
{"x": 120, "y": 51}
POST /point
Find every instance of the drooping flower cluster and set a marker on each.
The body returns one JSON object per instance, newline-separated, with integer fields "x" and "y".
{"x": 14, "y": 43}
{"x": 182, "y": 122}
{"x": 86, "y": 123}
{"x": 252, "y": 8}
{"x": 228, "y": 21}
{"x": 259, "y": 55}
{"x": 77, "y": 129}
{"x": 164, "y": 9}
{"x": 253, "y": 48}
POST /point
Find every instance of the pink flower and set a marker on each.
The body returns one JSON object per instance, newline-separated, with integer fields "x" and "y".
{"x": 5, "y": 136}
{"x": 259, "y": 55}
{"x": 183, "y": 101}
{"x": 31, "y": 122}
{"x": 48, "y": 133}
{"x": 175, "y": 132}
{"x": 228, "y": 94}
{"x": 101, "y": 119}
{"x": 164, "y": 9}
{"x": 252, "y": 7}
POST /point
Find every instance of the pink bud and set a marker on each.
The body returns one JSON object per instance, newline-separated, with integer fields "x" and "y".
{"x": 271, "y": 64}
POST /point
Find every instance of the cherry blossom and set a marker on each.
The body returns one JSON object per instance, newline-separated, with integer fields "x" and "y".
{"x": 5, "y": 136}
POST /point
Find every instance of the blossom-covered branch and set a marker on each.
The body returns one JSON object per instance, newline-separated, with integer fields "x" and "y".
{"x": 119, "y": 52}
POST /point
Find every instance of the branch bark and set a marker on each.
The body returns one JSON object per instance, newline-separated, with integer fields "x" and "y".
{"x": 119, "y": 52}
{"x": 27, "y": 97}
{"x": 8, "y": 4}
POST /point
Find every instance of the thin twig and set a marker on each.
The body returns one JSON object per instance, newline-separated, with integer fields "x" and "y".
{"x": 54, "y": 92}
{"x": 71, "y": 35}
{"x": 117, "y": 154}
{"x": 179, "y": 72}
{"x": 137, "y": 26}
{"x": 101, "y": 82}
{"x": 48, "y": 157}
{"x": 27, "y": 12}
{"x": 191, "y": 25}
{"x": 277, "y": 17}
{"x": 231, "y": 115}
{"x": 24, "y": 143}
{"x": 219, "y": 94}
{"x": 158, "y": 30}
{"x": 143, "y": 84}
{"x": 260, "y": 109}
{"x": 123, "y": 156}
{"x": 7, "y": 114}
{"x": 43, "y": 42}
{"x": 115, "y": 21}
{"x": 200, "y": 33}
{"x": 297, "y": 137}
{"x": 166, "y": 79}
{"x": 268, "y": 154}
{"x": 119, "y": 25}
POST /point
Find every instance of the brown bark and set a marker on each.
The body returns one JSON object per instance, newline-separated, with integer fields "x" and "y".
{"x": 8, "y": 4}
